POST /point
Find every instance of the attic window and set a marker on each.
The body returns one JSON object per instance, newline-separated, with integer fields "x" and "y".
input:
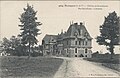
{"x": 75, "y": 50}
{"x": 81, "y": 32}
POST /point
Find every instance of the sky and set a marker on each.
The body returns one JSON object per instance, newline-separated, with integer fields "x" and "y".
{"x": 56, "y": 16}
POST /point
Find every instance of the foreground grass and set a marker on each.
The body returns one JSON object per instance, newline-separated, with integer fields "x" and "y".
{"x": 35, "y": 66}
{"x": 104, "y": 60}
{"x": 107, "y": 62}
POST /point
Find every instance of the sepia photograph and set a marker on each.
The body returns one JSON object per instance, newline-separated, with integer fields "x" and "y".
{"x": 60, "y": 39}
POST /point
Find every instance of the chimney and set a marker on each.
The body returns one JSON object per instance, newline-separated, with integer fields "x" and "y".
{"x": 75, "y": 23}
{"x": 81, "y": 23}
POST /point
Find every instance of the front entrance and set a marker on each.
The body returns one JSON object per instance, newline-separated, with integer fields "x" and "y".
{"x": 75, "y": 55}
{"x": 81, "y": 55}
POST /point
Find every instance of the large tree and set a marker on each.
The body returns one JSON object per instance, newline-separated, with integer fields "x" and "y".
{"x": 29, "y": 27}
{"x": 109, "y": 32}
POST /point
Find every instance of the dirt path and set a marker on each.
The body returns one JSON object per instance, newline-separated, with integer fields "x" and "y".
{"x": 76, "y": 67}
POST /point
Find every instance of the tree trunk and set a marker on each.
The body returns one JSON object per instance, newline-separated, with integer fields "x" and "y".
{"x": 29, "y": 51}
{"x": 111, "y": 50}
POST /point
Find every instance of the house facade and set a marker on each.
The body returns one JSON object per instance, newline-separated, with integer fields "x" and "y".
{"x": 48, "y": 44}
{"x": 75, "y": 42}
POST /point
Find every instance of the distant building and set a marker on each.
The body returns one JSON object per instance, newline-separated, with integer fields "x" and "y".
{"x": 48, "y": 43}
{"x": 76, "y": 42}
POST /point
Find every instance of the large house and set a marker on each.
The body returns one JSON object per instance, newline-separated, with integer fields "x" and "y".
{"x": 76, "y": 42}
{"x": 49, "y": 42}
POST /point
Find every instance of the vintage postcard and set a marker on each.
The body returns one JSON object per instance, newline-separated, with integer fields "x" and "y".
{"x": 60, "y": 39}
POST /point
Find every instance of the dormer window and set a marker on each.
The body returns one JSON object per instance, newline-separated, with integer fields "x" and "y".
{"x": 81, "y": 32}
{"x": 76, "y": 33}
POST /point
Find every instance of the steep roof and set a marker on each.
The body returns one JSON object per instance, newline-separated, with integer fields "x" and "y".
{"x": 49, "y": 38}
{"x": 74, "y": 30}
{"x": 78, "y": 30}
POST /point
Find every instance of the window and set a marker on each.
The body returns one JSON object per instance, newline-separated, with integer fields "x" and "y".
{"x": 79, "y": 42}
{"x": 86, "y": 50}
{"x": 86, "y": 43}
{"x": 75, "y": 50}
{"x": 75, "y": 42}
{"x": 81, "y": 32}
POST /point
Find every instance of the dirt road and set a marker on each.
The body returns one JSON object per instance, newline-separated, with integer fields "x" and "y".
{"x": 77, "y": 67}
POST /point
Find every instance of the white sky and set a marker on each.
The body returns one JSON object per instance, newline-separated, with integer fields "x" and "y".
{"x": 56, "y": 18}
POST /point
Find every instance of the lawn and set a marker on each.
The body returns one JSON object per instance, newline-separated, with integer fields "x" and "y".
{"x": 34, "y": 67}
{"x": 106, "y": 61}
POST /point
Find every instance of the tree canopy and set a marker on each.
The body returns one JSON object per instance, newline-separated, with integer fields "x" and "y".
{"x": 109, "y": 32}
{"x": 29, "y": 27}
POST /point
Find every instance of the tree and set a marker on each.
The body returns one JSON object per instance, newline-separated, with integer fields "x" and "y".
{"x": 29, "y": 28}
{"x": 14, "y": 43}
{"x": 109, "y": 32}
{"x": 5, "y": 45}
{"x": 16, "y": 48}
{"x": 10, "y": 46}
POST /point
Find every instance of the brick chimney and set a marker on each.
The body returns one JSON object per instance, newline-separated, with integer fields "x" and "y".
{"x": 81, "y": 23}
{"x": 75, "y": 23}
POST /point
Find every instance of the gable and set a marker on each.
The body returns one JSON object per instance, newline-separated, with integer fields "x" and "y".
{"x": 49, "y": 38}
{"x": 78, "y": 30}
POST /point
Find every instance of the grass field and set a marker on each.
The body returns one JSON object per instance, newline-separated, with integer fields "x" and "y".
{"x": 34, "y": 67}
{"x": 107, "y": 62}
